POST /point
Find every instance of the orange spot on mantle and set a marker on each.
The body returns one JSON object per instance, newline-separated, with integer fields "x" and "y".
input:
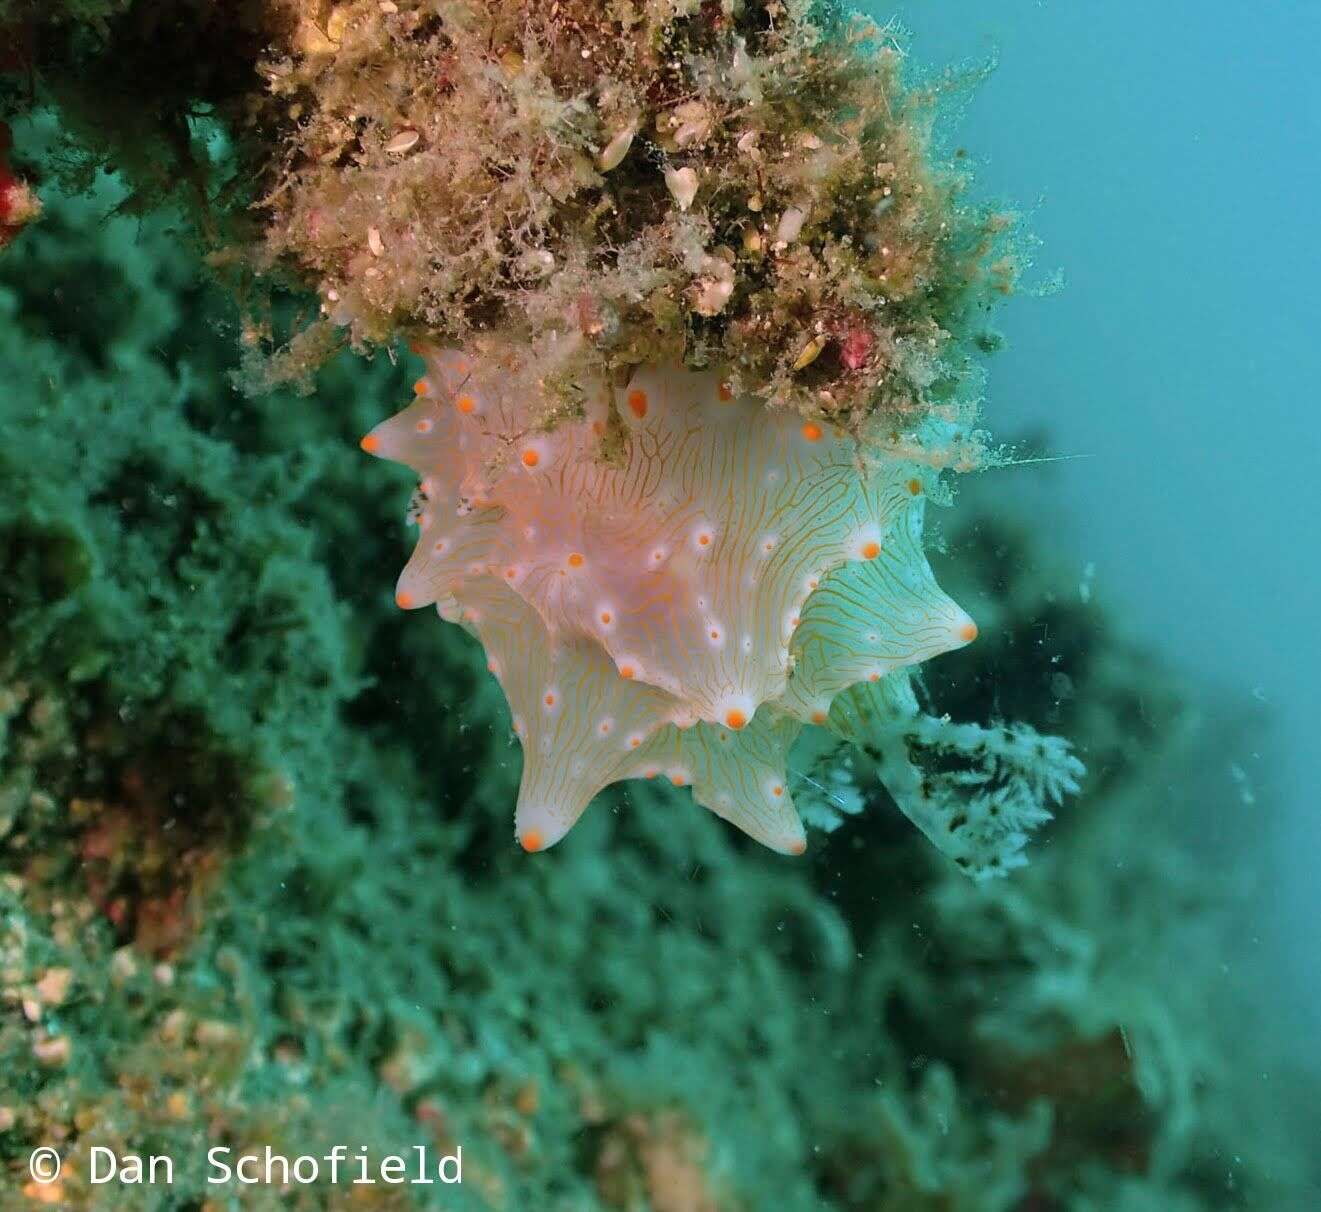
{"x": 637, "y": 402}
{"x": 531, "y": 841}
{"x": 735, "y": 719}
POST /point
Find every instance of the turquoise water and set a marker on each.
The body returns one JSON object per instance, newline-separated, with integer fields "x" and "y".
{"x": 1166, "y": 153}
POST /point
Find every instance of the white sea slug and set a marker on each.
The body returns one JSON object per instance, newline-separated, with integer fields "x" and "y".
{"x": 680, "y": 607}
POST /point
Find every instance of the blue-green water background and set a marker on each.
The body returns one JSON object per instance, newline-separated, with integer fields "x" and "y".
{"x": 1167, "y": 154}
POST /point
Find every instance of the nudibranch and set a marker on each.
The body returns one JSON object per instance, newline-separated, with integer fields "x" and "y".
{"x": 673, "y": 584}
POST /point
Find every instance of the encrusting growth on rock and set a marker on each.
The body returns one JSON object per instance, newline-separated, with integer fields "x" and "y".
{"x": 743, "y": 184}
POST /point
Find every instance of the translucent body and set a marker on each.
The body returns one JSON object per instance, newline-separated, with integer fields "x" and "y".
{"x": 681, "y": 608}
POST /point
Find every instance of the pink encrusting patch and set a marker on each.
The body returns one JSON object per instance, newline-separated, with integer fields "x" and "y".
{"x": 651, "y": 588}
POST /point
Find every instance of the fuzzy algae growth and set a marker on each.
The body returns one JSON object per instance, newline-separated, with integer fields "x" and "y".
{"x": 743, "y": 185}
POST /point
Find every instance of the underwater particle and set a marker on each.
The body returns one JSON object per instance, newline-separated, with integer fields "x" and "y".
{"x": 604, "y": 593}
